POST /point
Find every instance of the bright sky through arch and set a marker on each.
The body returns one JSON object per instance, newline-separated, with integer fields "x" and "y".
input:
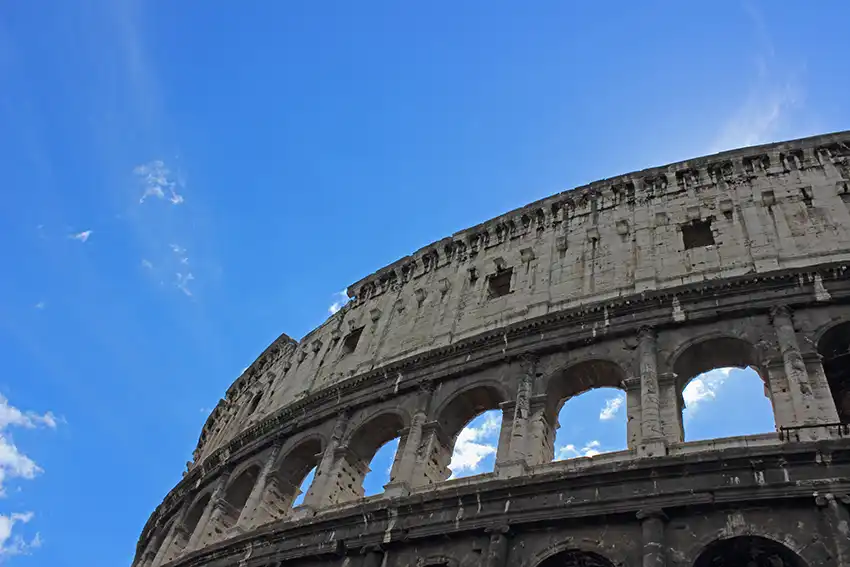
{"x": 185, "y": 181}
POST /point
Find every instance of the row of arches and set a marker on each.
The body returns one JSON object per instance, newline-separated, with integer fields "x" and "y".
{"x": 477, "y": 418}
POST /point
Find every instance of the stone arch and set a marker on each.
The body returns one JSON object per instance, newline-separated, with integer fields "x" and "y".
{"x": 750, "y": 550}
{"x": 156, "y": 541}
{"x": 192, "y": 520}
{"x": 452, "y": 417}
{"x": 236, "y": 494}
{"x": 705, "y": 353}
{"x": 561, "y": 385}
{"x": 833, "y": 346}
{"x": 570, "y": 555}
{"x": 284, "y": 485}
{"x": 362, "y": 444}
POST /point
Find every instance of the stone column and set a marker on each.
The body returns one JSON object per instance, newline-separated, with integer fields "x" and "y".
{"x": 517, "y": 461}
{"x": 410, "y": 448}
{"x": 824, "y": 411}
{"x": 435, "y": 455}
{"x": 633, "y": 412}
{"x": 316, "y": 494}
{"x": 793, "y": 364}
{"x": 670, "y": 400}
{"x": 249, "y": 511}
{"x": 837, "y": 517}
{"x": 652, "y": 439}
{"x": 198, "y": 534}
{"x": 373, "y": 556}
{"x": 497, "y": 550}
{"x": 540, "y": 448}
{"x": 165, "y": 553}
{"x": 652, "y": 534}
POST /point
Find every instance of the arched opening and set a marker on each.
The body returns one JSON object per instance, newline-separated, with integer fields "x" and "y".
{"x": 722, "y": 391}
{"x": 748, "y": 551}
{"x": 286, "y": 487}
{"x": 157, "y": 540}
{"x": 381, "y": 468}
{"x": 576, "y": 558}
{"x": 304, "y": 487}
{"x": 255, "y": 403}
{"x": 468, "y": 437}
{"x": 834, "y": 349}
{"x": 475, "y": 446}
{"x": 586, "y": 411}
{"x": 236, "y": 495}
{"x": 190, "y": 522}
{"x": 362, "y": 448}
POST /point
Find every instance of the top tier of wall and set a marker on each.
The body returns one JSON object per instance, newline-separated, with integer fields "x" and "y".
{"x": 751, "y": 210}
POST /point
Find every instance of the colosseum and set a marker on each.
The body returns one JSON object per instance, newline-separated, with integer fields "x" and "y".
{"x": 640, "y": 282}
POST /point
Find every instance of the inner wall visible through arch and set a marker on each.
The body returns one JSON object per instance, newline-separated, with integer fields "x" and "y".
{"x": 726, "y": 402}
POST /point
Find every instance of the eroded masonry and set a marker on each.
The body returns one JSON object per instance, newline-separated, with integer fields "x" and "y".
{"x": 640, "y": 282}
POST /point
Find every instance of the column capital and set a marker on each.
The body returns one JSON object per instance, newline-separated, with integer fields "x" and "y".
{"x": 537, "y": 402}
{"x": 646, "y": 332}
{"x": 647, "y": 513}
{"x": 528, "y": 362}
{"x": 667, "y": 378}
{"x": 501, "y": 529}
{"x": 780, "y": 310}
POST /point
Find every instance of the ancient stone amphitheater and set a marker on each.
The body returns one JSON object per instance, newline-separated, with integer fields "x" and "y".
{"x": 639, "y": 282}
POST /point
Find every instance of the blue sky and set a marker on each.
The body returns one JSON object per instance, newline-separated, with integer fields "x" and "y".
{"x": 183, "y": 181}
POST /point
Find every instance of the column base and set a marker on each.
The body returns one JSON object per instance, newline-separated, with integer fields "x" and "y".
{"x": 396, "y": 490}
{"x": 512, "y": 469}
{"x": 652, "y": 448}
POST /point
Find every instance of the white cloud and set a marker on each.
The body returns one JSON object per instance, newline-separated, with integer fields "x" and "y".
{"x": 612, "y": 406}
{"x": 183, "y": 282}
{"x": 590, "y": 449}
{"x": 340, "y": 299}
{"x": 158, "y": 182}
{"x": 474, "y": 444}
{"x": 147, "y": 264}
{"x": 81, "y": 236}
{"x": 15, "y": 464}
{"x": 704, "y": 388}
{"x": 41, "y": 305}
{"x": 11, "y": 545}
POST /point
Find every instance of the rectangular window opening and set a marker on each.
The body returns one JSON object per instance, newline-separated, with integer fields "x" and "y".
{"x": 697, "y": 234}
{"x": 349, "y": 343}
{"x": 499, "y": 284}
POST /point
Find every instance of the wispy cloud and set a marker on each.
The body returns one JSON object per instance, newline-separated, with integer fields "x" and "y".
{"x": 475, "y": 443}
{"x": 183, "y": 282}
{"x": 11, "y": 545}
{"x": 147, "y": 264}
{"x": 340, "y": 298}
{"x": 41, "y": 305}
{"x": 15, "y": 464}
{"x": 570, "y": 451}
{"x": 158, "y": 182}
{"x": 612, "y": 406}
{"x": 775, "y": 93}
{"x": 703, "y": 389}
{"x": 81, "y": 236}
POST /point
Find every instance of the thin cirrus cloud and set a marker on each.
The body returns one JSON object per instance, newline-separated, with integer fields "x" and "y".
{"x": 703, "y": 389}
{"x": 14, "y": 464}
{"x": 81, "y": 236}
{"x": 158, "y": 182}
{"x": 612, "y": 407}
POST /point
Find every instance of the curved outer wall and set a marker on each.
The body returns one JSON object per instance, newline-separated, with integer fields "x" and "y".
{"x": 639, "y": 282}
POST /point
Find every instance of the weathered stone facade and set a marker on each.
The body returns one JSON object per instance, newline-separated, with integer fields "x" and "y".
{"x": 640, "y": 282}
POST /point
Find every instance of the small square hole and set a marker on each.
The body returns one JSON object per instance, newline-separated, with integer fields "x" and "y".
{"x": 697, "y": 234}
{"x": 349, "y": 343}
{"x": 499, "y": 284}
